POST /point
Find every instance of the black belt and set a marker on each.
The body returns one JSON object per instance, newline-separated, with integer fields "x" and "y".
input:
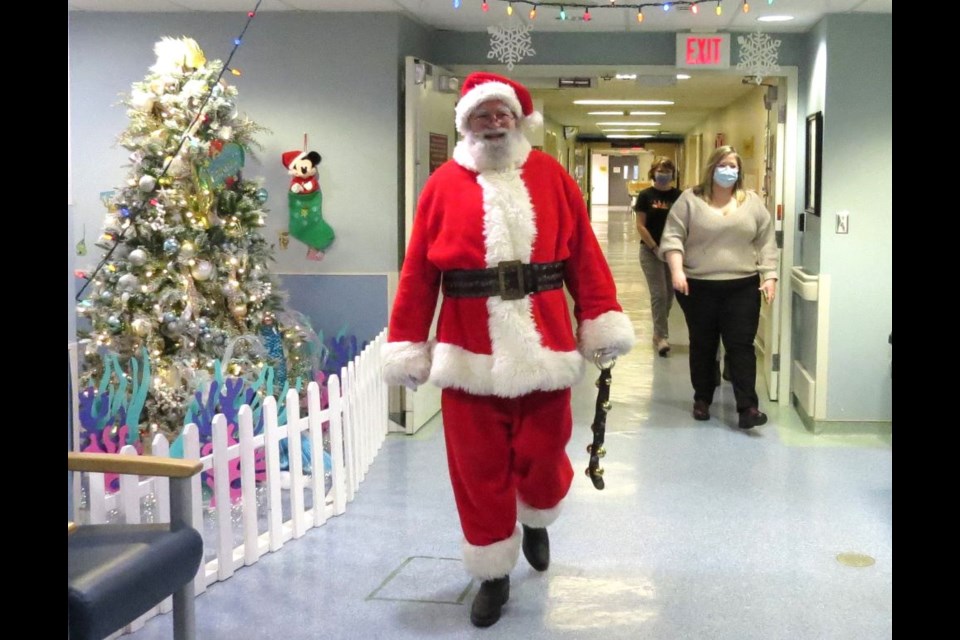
{"x": 511, "y": 280}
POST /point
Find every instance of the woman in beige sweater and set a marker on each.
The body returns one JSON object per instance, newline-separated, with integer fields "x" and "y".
{"x": 720, "y": 245}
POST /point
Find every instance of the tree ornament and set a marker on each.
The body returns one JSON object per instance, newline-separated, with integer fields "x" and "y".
{"x": 262, "y": 195}
{"x": 141, "y": 326}
{"x": 137, "y": 257}
{"x": 202, "y": 271}
{"x": 171, "y": 246}
{"x": 147, "y": 183}
{"x": 128, "y": 282}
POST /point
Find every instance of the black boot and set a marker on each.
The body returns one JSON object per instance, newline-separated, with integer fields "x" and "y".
{"x": 536, "y": 547}
{"x": 491, "y": 597}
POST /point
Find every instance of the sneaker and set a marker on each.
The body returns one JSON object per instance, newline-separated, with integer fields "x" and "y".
{"x": 751, "y": 418}
{"x": 701, "y": 410}
{"x": 662, "y": 346}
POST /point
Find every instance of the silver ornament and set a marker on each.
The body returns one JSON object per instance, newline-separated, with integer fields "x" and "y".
{"x": 202, "y": 271}
{"x": 147, "y": 183}
{"x": 128, "y": 282}
{"x": 138, "y": 257}
{"x": 171, "y": 246}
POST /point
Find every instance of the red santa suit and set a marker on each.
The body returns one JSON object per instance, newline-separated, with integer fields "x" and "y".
{"x": 505, "y": 366}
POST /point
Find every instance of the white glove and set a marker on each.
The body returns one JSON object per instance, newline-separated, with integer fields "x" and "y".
{"x": 411, "y": 383}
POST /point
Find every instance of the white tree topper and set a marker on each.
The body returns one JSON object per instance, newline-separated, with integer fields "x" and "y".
{"x": 510, "y": 42}
{"x": 758, "y": 55}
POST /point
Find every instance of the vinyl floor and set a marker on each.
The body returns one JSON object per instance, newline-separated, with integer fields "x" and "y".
{"x": 702, "y": 532}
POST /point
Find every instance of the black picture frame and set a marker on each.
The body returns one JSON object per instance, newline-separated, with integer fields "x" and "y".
{"x": 812, "y": 177}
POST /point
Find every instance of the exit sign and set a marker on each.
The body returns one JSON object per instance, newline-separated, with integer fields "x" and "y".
{"x": 703, "y": 50}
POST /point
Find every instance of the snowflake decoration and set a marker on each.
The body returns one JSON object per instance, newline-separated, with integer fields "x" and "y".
{"x": 510, "y": 43}
{"x": 758, "y": 55}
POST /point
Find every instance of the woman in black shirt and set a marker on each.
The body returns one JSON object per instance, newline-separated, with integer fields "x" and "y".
{"x": 652, "y": 206}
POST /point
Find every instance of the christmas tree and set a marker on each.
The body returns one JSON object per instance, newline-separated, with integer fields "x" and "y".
{"x": 182, "y": 297}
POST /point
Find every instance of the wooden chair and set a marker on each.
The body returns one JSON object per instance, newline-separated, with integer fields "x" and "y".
{"x": 118, "y": 572}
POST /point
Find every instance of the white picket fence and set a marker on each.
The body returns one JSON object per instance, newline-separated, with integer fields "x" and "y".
{"x": 358, "y": 423}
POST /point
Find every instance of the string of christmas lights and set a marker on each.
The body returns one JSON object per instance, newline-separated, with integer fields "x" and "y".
{"x": 183, "y": 138}
{"x": 692, "y": 5}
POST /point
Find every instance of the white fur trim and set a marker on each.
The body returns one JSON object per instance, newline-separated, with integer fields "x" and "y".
{"x": 403, "y": 360}
{"x": 505, "y": 377}
{"x": 481, "y": 93}
{"x": 532, "y": 121}
{"x": 493, "y": 560}
{"x": 611, "y": 330}
{"x": 537, "y": 518}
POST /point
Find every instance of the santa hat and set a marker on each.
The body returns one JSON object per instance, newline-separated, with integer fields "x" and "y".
{"x": 290, "y": 157}
{"x": 481, "y": 86}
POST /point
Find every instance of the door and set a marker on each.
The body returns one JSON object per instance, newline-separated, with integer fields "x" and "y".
{"x": 599, "y": 183}
{"x": 622, "y": 170}
{"x": 430, "y": 94}
{"x": 768, "y": 334}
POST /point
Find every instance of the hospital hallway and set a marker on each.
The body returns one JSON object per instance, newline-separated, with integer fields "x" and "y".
{"x": 703, "y": 531}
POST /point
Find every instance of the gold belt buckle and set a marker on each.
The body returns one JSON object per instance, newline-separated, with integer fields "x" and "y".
{"x": 504, "y": 269}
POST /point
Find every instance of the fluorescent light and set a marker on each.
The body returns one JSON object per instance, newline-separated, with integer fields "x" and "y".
{"x": 629, "y": 130}
{"x": 648, "y": 113}
{"x": 626, "y": 76}
{"x": 683, "y": 76}
{"x": 628, "y": 124}
{"x": 623, "y": 102}
{"x": 605, "y": 113}
{"x": 629, "y": 137}
{"x": 774, "y": 18}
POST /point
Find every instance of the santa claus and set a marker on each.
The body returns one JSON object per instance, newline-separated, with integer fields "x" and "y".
{"x": 501, "y": 229}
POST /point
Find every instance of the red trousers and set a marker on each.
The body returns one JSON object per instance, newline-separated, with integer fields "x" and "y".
{"x": 505, "y": 455}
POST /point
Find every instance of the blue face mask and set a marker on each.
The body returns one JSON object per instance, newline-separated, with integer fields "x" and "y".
{"x": 662, "y": 179}
{"x": 726, "y": 176}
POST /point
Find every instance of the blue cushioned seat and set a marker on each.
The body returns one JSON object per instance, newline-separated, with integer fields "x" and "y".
{"x": 118, "y": 572}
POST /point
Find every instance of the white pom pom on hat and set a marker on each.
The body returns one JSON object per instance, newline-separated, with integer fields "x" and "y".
{"x": 480, "y": 86}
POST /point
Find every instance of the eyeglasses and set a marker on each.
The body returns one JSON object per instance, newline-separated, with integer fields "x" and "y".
{"x": 490, "y": 118}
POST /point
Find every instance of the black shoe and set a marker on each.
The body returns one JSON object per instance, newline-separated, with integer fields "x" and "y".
{"x": 536, "y": 547}
{"x": 751, "y": 418}
{"x": 491, "y": 597}
{"x": 701, "y": 410}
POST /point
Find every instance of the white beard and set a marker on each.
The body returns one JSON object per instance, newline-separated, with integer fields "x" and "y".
{"x": 496, "y": 154}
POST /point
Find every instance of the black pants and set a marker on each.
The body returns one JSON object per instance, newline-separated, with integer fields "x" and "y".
{"x": 727, "y": 309}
